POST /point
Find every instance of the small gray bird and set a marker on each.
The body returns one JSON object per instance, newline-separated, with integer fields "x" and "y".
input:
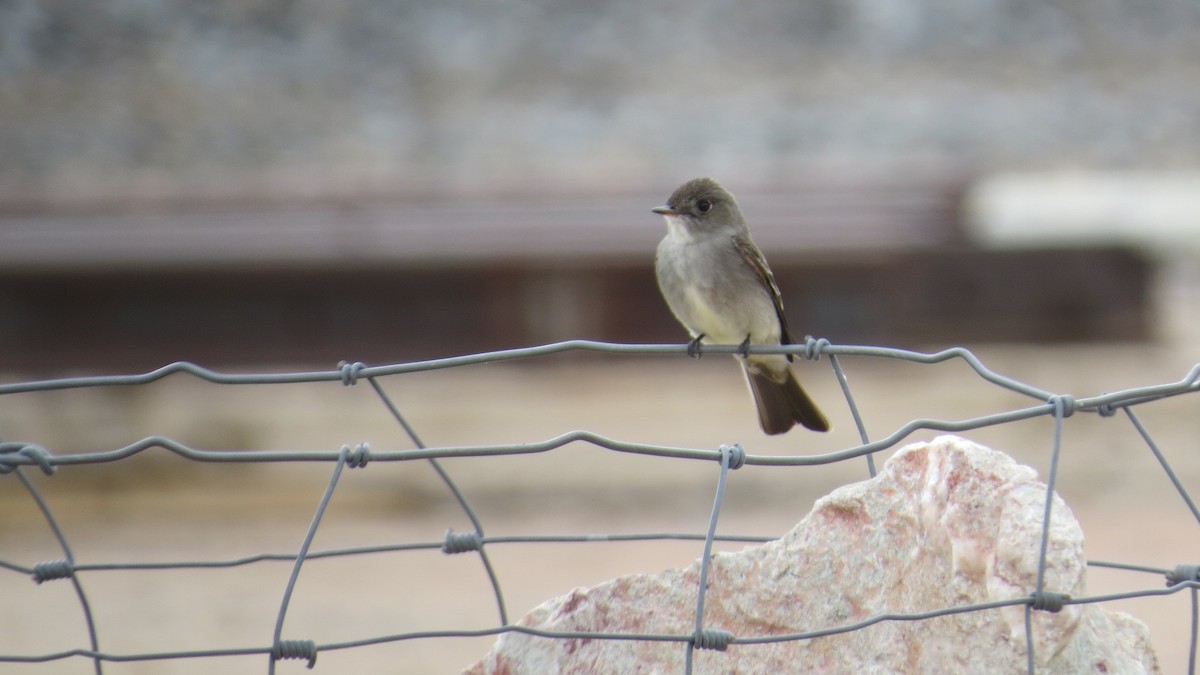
{"x": 718, "y": 285}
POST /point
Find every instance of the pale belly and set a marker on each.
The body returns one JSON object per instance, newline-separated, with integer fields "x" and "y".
{"x": 724, "y": 308}
{"x": 732, "y": 325}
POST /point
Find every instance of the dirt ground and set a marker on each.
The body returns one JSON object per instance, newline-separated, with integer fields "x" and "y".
{"x": 158, "y": 507}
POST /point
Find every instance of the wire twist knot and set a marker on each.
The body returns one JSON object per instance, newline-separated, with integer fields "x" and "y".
{"x": 461, "y": 542}
{"x": 39, "y": 456}
{"x": 1106, "y": 410}
{"x": 733, "y": 455}
{"x": 350, "y": 372}
{"x": 1064, "y": 405}
{"x": 813, "y": 347}
{"x": 1183, "y": 573}
{"x": 295, "y": 649}
{"x": 1048, "y": 601}
{"x": 53, "y": 569}
{"x": 713, "y": 638}
{"x": 357, "y": 457}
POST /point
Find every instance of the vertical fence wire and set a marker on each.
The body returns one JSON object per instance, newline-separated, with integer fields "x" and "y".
{"x": 858, "y": 420}
{"x": 732, "y": 457}
{"x": 278, "y": 650}
{"x": 451, "y": 547}
{"x": 66, "y": 568}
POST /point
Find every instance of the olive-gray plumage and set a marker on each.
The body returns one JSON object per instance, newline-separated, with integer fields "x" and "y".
{"x": 718, "y": 285}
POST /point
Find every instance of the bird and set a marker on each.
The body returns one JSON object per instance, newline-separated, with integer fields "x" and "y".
{"x": 717, "y": 283}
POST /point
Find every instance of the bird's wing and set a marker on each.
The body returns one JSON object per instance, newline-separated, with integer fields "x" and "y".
{"x": 758, "y": 263}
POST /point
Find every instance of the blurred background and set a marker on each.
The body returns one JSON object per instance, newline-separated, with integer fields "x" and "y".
{"x": 271, "y": 185}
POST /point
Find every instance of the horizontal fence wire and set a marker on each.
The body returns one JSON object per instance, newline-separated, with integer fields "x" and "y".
{"x": 17, "y": 457}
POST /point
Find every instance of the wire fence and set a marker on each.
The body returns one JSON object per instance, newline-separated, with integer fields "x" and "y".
{"x": 19, "y": 457}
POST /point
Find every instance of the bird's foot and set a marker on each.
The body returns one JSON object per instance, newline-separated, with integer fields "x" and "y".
{"x": 744, "y": 348}
{"x": 693, "y": 348}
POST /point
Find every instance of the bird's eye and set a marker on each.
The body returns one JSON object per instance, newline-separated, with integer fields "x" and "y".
{"x": 703, "y": 205}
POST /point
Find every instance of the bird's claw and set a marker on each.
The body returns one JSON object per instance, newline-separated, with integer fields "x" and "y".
{"x": 693, "y": 348}
{"x": 744, "y": 348}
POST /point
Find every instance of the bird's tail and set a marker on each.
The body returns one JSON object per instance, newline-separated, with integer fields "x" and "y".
{"x": 781, "y": 401}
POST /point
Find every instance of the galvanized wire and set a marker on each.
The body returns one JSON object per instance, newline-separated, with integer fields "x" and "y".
{"x": 18, "y": 456}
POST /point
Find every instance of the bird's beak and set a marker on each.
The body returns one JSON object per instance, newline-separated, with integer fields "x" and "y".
{"x": 665, "y": 211}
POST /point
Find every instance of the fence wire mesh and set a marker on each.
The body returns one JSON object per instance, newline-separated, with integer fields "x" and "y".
{"x": 17, "y": 458}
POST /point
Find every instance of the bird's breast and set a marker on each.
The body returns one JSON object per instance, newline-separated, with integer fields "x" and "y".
{"x": 710, "y": 291}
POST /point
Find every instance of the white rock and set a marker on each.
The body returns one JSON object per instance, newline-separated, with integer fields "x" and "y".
{"x": 945, "y": 524}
